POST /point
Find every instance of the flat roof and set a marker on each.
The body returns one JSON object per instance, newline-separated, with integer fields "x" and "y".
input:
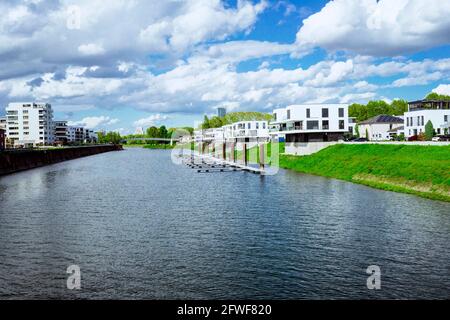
{"x": 427, "y": 100}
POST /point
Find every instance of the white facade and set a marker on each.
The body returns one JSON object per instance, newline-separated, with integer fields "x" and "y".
{"x": 422, "y": 111}
{"x": 380, "y": 127}
{"x": 75, "y": 134}
{"x": 311, "y": 122}
{"x": 238, "y": 132}
{"x": 30, "y": 124}
{"x": 247, "y": 130}
{"x": 377, "y": 131}
{"x": 416, "y": 120}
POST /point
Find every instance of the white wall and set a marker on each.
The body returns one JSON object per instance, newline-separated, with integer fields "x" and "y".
{"x": 437, "y": 117}
{"x": 306, "y": 148}
{"x": 377, "y": 131}
{"x": 30, "y": 123}
{"x": 297, "y": 113}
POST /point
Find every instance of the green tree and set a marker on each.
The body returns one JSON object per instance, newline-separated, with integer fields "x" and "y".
{"x": 367, "y": 134}
{"x": 215, "y": 122}
{"x": 398, "y": 107}
{"x": 357, "y": 131}
{"x": 429, "y": 131}
{"x": 436, "y": 96}
{"x": 358, "y": 111}
{"x": 189, "y": 129}
{"x": 162, "y": 132}
{"x": 152, "y": 132}
{"x": 205, "y": 124}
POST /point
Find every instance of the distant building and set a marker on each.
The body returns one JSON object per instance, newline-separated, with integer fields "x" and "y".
{"x": 61, "y": 132}
{"x": 221, "y": 112}
{"x": 139, "y": 131}
{"x": 75, "y": 134}
{"x": 380, "y": 127}
{"x": 247, "y": 131}
{"x": 30, "y": 124}
{"x": 422, "y": 111}
{"x": 90, "y": 136}
{"x": 3, "y": 123}
{"x": 2, "y": 139}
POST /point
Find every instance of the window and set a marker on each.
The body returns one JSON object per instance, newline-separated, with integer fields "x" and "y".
{"x": 257, "y": 125}
{"x": 289, "y": 114}
{"x": 445, "y": 118}
{"x": 423, "y": 122}
{"x": 249, "y": 125}
{"x": 325, "y": 125}
{"x": 325, "y": 113}
{"x": 341, "y": 112}
{"x": 308, "y": 113}
{"x": 275, "y": 116}
{"x": 312, "y": 125}
{"x": 341, "y": 124}
{"x": 264, "y": 125}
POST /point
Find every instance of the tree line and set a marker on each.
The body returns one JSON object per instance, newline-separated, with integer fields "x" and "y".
{"x": 232, "y": 117}
{"x": 374, "y": 108}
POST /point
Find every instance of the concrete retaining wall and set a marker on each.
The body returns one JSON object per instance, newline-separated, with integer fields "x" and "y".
{"x": 18, "y": 160}
{"x": 306, "y": 148}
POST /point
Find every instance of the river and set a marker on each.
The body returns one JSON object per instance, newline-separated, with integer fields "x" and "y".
{"x": 141, "y": 227}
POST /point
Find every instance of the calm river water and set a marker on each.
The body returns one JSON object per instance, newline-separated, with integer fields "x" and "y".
{"x": 141, "y": 227}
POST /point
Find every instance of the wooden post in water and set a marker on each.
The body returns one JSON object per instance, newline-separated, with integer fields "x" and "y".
{"x": 261, "y": 156}
{"x": 232, "y": 155}
{"x": 224, "y": 150}
{"x": 244, "y": 150}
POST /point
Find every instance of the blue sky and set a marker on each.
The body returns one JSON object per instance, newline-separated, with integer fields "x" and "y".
{"x": 119, "y": 65}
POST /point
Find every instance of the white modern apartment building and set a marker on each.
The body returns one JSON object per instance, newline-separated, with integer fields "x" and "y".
{"x": 381, "y": 127}
{"x": 310, "y": 127}
{"x": 30, "y": 124}
{"x": 89, "y": 136}
{"x": 75, "y": 134}
{"x": 311, "y": 122}
{"x": 247, "y": 131}
{"x": 422, "y": 111}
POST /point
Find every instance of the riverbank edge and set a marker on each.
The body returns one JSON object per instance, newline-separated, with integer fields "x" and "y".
{"x": 151, "y": 146}
{"x": 21, "y": 160}
{"x": 382, "y": 182}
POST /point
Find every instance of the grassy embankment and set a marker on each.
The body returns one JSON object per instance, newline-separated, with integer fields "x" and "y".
{"x": 419, "y": 170}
